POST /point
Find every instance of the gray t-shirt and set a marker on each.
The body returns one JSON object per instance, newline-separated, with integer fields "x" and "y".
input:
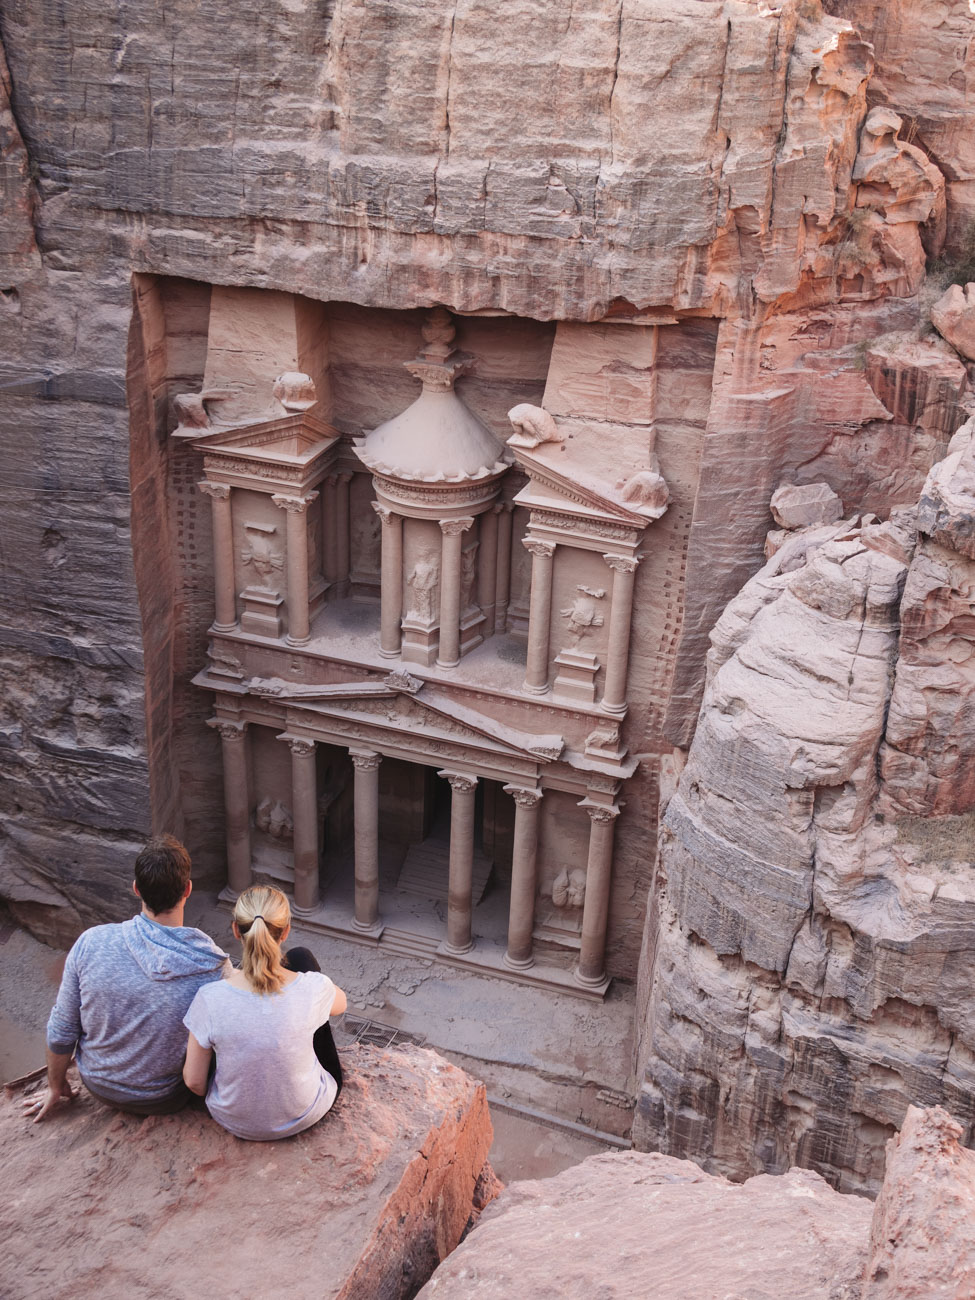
{"x": 268, "y": 1082}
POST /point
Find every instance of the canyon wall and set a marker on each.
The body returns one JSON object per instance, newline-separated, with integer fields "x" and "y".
{"x": 811, "y": 969}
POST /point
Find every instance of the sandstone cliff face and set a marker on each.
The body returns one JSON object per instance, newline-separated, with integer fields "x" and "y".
{"x": 365, "y": 1203}
{"x": 634, "y": 1225}
{"x": 813, "y": 965}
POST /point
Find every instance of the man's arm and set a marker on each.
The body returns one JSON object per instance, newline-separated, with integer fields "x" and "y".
{"x": 58, "y": 1088}
{"x": 63, "y": 1032}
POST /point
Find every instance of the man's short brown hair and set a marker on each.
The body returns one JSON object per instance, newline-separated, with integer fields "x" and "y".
{"x": 162, "y": 872}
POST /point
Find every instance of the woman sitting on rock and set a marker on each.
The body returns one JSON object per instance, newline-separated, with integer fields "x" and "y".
{"x": 277, "y": 1069}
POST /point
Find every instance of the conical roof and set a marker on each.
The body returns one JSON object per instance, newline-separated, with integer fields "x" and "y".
{"x": 437, "y": 439}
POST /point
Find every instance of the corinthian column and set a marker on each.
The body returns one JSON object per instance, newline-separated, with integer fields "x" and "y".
{"x": 299, "y": 631}
{"x": 224, "y": 586}
{"x": 539, "y": 614}
{"x": 391, "y": 590}
{"x": 366, "y": 809}
{"x": 461, "y": 871}
{"x": 236, "y": 801}
{"x": 595, "y": 912}
{"x": 521, "y": 914}
{"x": 304, "y": 798}
{"x": 453, "y": 540}
{"x": 618, "y": 646}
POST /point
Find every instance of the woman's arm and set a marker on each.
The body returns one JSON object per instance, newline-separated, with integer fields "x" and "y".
{"x": 196, "y": 1069}
{"x": 340, "y": 1003}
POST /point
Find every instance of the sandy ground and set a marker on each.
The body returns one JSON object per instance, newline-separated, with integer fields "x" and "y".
{"x": 461, "y": 1015}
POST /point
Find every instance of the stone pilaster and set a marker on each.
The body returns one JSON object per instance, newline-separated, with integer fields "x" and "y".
{"x": 595, "y": 912}
{"x": 487, "y": 569}
{"x": 460, "y": 881}
{"x": 236, "y": 799}
{"x": 450, "y": 580}
{"x": 299, "y": 629}
{"x": 366, "y": 800}
{"x": 540, "y": 615}
{"x": 391, "y": 591}
{"x": 304, "y": 798}
{"x": 224, "y": 584}
{"x": 620, "y": 616}
{"x": 505, "y": 512}
{"x": 521, "y": 914}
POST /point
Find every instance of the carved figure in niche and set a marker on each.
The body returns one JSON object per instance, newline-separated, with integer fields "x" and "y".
{"x": 366, "y": 527}
{"x": 274, "y": 819}
{"x": 261, "y": 554}
{"x": 423, "y": 583}
{"x": 533, "y": 425}
{"x": 468, "y": 571}
{"x": 569, "y": 888}
{"x": 582, "y": 615}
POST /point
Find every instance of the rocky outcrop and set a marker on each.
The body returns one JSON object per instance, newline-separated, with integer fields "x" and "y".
{"x": 366, "y": 1203}
{"x": 629, "y": 1225}
{"x": 953, "y": 316}
{"x": 921, "y": 1241}
{"x": 811, "y": 971}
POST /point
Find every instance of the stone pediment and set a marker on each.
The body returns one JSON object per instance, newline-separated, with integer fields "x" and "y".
{"x": 581, "y": 493}
{"x": 394, "y": 702}
{"x": 292, "y": 439}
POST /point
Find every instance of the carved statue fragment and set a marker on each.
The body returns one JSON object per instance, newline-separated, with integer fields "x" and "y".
{"x": 272, "y": 817}
{"x": 423, "y": 584}
{"x": 569, "y": 888}
{"x": 260, "y": 553}
{"x": 582, "y": 615}
{"x": 533, "y": 425}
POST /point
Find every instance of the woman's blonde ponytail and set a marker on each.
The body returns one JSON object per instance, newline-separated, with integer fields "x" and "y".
{"x": 262, "y": 915}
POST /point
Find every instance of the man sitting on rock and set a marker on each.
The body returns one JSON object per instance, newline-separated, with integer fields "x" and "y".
{"x": 124, "y": 993}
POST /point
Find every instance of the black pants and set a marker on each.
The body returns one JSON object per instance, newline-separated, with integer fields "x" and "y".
{"x": 302, "y": 959}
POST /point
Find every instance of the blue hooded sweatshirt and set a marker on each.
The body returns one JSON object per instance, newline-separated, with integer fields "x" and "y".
{"x": 120, "y": 1007}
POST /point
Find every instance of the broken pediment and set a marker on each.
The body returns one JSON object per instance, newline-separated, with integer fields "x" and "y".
{"x": 393, "y": 701}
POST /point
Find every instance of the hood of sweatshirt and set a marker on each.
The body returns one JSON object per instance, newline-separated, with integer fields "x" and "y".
{"x": 169, "y": 952}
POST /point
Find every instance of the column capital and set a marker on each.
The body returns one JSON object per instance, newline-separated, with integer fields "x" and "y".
{"x": 228, "y": 729}
{"x": 366, "y": 760}
{"x": 454, "y": 527}
{"x": 385, "y": 514}
{"x": 299, "y": 745}
{"x": 295, "y": 505}
{"x": 537, "y": 546}
{"x": 600, "y": 812}
{"x": 216, "y": 491}
{"x": 525, "y": 797}
{"x": 338, "y": 477}
{"x": 460, "y": 781}
{"x": 623, "y": 563}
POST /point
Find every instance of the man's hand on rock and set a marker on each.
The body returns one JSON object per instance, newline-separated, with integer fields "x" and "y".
{"x": 41, "y": 1106}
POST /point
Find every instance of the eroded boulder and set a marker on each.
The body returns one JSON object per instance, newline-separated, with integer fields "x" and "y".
{"x": 626, "y": 1226}
{"x": 364, "y": 1204}
{"x": 953, "y": 316}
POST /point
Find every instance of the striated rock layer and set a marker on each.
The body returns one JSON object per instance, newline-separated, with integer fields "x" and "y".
{"x": 811, "y": 967}
{"x": 629, "y": 1225}
{"x": 366, "y": 1203}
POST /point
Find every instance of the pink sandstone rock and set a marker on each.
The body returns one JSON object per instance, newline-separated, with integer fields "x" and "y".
{"x": 953, "y": 316}
{"x": 364, "y": 1204}
{"x": 805, "y": 504}
{"x": 922, "y": 1239}
{"x": 629, "y": 1226}
{"x": 830, "y": 776}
